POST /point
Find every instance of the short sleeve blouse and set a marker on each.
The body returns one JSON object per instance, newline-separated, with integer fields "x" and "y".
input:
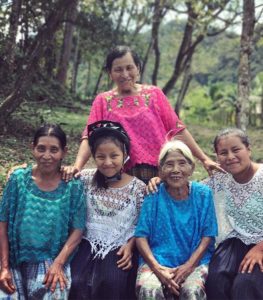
{"x": 39, "y": 222}
{"x": 147, "y": 117}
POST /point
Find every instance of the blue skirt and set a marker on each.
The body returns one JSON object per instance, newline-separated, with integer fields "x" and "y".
{"x": 28, "y": 280}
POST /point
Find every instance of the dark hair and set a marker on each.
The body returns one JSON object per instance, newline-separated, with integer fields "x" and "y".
{"x": 102, "y": 131}
{"x": 51, "y": 130}
{"x": 118, "y": 52}
{"x": 232, "y": 131}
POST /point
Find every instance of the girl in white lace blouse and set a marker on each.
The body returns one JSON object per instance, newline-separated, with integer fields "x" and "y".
{"x": 105, "y": 266}
{"x": 236, "y": 269}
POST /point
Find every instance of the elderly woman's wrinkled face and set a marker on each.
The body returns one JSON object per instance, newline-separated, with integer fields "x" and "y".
{"x": 175, "y": 170}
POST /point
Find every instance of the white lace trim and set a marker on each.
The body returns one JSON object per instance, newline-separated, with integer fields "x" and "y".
{"x": 239, "y": 207}
{"x": 112, "y": 213}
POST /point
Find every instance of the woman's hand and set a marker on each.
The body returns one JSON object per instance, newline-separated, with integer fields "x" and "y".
{"x": 182, "y": 272}
{"x": 211, "y": 166}
{"x": 6, "y": 282}
{"x": 152, "y": 185}
{"x": 125, "y": 262}
{"x": 23, "y": 166}
{"x": 166, "y": 276}
{"x": 254, "y": 256}
{"x": 68, "y": 172}
{"x": 54, "y": 275}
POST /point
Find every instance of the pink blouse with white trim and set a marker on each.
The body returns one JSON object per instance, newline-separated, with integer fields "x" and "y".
{"x": 147, "y": 117}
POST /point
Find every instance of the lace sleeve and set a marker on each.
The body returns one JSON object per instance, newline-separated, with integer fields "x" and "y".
{"x": 140, "y": 189}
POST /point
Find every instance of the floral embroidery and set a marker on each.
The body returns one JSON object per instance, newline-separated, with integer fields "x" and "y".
{"x": 108, "y": 99}
{"x": 147, "y": 99}
{"x": 136, "y": 101}
{"x": 120, "y": 103}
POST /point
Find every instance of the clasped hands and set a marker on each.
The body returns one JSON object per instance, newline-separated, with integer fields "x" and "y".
{"x": 172, "y": 278}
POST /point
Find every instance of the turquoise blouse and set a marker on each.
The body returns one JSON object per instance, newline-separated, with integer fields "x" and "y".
{"x": 40, "y": 222}
{"x": 174, "y": 228}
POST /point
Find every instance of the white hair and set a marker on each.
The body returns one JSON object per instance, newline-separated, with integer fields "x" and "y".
{"x": 175, "y": 145}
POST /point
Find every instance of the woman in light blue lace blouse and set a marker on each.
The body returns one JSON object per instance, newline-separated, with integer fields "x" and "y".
{"x": 41, "y": 223}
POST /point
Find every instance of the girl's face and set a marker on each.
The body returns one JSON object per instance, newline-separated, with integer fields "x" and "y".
{"x": 48, "y": 154}
{"x": 124, "y": 73}
{"x": 176, "y": 170}
{"x": 109, "y": 158}
{"x": 233, "y": 155}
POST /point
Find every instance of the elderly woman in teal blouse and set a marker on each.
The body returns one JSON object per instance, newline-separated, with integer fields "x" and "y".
{"x": 176, "y": 230}
{"x": 41, "y": 223}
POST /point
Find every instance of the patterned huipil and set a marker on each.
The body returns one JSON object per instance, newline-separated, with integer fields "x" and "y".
{"x": 147, "y": 117}
{"x": 239, "y": 207}
{"x": 112, "y": 213}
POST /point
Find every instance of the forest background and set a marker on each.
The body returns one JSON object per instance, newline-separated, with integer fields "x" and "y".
{"x": 206, "y": 56}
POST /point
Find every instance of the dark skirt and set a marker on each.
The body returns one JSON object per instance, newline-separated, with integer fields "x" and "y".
{"x": 225, "y": 282}
{"x": 144, "y": 172}
{"x": 97, "y": 279}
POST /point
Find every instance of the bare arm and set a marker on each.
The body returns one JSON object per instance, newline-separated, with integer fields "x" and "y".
{"x": 55, "y": 273}
{"x": 188, "y": 139}
{"x": 6, "y": 282}
{"x": 186, "y": 269}
{"x": 83, "y": 156}
{"x": 164, "y": 274}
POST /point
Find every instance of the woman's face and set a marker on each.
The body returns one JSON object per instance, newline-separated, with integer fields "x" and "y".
{"x": 109, "y": 158}
{"x": 176, "y": 170}
{"x": 124, "y": 73}
{"x": 233, "y": 155}
{"x": 48, "y": 154}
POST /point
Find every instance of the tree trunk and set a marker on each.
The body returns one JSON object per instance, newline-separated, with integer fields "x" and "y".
{"x": 67, "y": 43}
{"x": 95, "y": 91}
{"x": 9, "y": 105}
{"x": 13, "y": 26}
{"x": 244, "y": 76}
{"x": 184, "y": 87}
{"x": 145, "y": 60}
{"x": 76, "y": 62}
{"x": 157, "y": 18}
{"x": 186, "y": 50}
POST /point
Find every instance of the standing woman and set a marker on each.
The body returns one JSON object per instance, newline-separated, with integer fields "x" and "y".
{"x": 41, "y": 223}
{"x": 105, "y": 265}
{"x": 144, "y": 112}
{"x": 236, "y": 268}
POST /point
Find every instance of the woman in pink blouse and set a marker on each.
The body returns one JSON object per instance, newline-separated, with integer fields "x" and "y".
{"x": 144, "y": 112}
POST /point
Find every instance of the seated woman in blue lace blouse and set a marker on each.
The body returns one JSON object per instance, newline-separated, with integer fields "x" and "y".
{"x": 41, "y": 223}
{"x": 236, "y": 268}
{"x": 105, "y": 265}
{"x": 176, "y": 230}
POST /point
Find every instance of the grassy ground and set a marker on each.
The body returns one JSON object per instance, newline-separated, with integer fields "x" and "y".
{"x": 15, "y": 147}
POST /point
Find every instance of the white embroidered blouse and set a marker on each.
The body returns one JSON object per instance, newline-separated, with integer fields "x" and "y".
{"x": 112, "y": 213}
{"x": 239, "y": 207}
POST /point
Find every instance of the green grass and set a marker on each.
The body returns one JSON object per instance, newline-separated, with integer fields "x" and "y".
{"x": 15, "y": 148}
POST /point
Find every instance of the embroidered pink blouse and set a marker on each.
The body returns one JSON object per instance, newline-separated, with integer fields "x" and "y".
{"x": 147, "y": 117}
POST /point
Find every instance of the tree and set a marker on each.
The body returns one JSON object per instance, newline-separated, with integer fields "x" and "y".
{"x": 67, "y": 43}
{"x": 47, "y": 30}
{"x": 13, "y": 26}
{"x": 244, "y": 76}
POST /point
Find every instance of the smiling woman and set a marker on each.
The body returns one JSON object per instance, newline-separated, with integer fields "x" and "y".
{"x": 41, "y": 223}
{"x": 106, "y": 263}
{"x": 145, "y": 113}
{"x": 176, "y": 230}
